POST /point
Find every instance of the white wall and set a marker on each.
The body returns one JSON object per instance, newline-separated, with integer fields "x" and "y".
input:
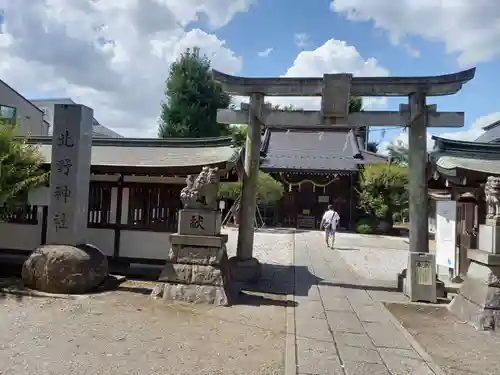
{"x": 133, "y": 243}
{"x": 20, "y": 236}
{"x": 103, "y": 239}
{"x": 142, "y": 244}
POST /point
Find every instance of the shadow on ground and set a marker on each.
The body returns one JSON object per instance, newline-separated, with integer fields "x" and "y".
{"x": 284, "y": 230}
{"x": 272, "y": 289}
{"x": 276, "y": 283}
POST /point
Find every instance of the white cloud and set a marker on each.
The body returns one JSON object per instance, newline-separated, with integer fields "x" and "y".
{"x": 401, "y": 140}
{"x": 301, "y": 40}
{"x": 470, "y": 134}
{"x": 334, "y": 56}
{"x": 467, "y": 28}
{"x": 265, "y": 53}
{"x": 112, "y": 55}
{"x": 475, "y": 130}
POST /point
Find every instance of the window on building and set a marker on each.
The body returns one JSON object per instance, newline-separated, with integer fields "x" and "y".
{"x": 154, "y": 206}
{"x": 8, "y": 113}
{"x": 99, "y": 210}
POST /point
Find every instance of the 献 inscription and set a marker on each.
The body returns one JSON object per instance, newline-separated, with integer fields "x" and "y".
{"x": 59, "y": 220}
{"x": 65, "y": 140}
{"x": 196, "y": 222}
{"x": 64, "y": 166}
{"x": 62, "y": 192}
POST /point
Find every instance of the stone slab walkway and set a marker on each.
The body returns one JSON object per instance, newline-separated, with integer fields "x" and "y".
{"x": 341, "y": 327}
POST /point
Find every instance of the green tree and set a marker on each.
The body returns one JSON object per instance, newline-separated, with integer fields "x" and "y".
{"x": 269, "y": 190}
{"x": 20, "y": 169}
{"x": 398, "y": 154}
{"x": 383, "y": 190}
{"x": 355, "y": 104}
{"x": 192, "y": 100}
{"x": 239, "y": 133}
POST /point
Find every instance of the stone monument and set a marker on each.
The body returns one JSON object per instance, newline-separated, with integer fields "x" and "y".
{"x": 478, "y": 301}
{"x": 197, "y": 269}
{"x": 67, "y": 264}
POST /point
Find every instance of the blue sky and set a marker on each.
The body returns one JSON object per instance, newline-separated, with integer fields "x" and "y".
{"x": 272, "y": 24}
{"x": 51, "y": 49}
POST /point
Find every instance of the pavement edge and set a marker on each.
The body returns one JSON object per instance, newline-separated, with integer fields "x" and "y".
{"x": 416, "y": 346}
{"x": 290, "y": 338}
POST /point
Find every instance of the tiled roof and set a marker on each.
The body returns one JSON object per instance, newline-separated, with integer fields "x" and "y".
{"x": 312, "y": 150}
{"x": 131, "y": 152}
{"x": 102, "y": 131}
{"x": 451, "y": 163}
{"x": 373, "y": 158}
{"x": 491, "y": 133}
{"x": 452, "y": 155}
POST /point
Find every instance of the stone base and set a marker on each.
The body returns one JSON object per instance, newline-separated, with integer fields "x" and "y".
{"x": 242, "y": 271}
{"x": 402, "y": 286}
{"x": 489, "y": 238}
{"x": 196, "y": 294}
{"x": 478, "y": 300}
{"x": 63, "y": 269}
{"x": 420, "y": 278}
{"x": 196, "y": 274}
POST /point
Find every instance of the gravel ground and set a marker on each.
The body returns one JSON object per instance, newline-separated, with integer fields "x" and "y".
{"x": 377, "y": 258}
{"x": 125, "y": 332}
{"x": 373, "y": 257}
{"x": 455, "y": 346}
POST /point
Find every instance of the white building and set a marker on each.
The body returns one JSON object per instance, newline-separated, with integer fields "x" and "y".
{"x": 16, "y": 109}
{"x": 47, "y": 107}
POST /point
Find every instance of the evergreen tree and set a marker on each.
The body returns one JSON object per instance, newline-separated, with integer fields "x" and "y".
{"x": 355, "y": 104}
{"x": 192, "y": 100}
{"x": 20, "y": 170}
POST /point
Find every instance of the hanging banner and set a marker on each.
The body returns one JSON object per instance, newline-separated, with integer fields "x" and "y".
{"x": 446, "y": 220}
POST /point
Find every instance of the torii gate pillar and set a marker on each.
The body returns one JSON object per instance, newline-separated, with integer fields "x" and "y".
{"x": 244, "y": 266}
{"x": 417, "y": 164}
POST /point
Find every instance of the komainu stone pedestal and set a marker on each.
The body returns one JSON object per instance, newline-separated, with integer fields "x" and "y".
{"x": 478, "y": 301}
{"x": 196, "y": 271}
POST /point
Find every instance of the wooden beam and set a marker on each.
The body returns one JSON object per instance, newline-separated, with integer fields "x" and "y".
{"x": 306, "y": 119}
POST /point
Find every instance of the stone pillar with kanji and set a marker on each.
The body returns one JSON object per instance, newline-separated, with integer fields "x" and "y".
{"x": 67, "y": 263}
{"x": 197, "y": 269}
{"x": 478, "y": 300}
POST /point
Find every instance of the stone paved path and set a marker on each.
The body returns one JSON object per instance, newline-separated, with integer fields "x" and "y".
{"x": 342, "y": 328}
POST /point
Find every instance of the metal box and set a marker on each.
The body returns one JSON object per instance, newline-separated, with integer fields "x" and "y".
{"x": 420, "y": 283}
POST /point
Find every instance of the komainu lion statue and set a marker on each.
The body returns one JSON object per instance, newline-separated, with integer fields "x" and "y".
{"x": 201, "y": 191}
{"x": 492, "y": 197}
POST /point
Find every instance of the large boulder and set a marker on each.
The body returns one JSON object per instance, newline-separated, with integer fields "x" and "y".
{"x": 65, "y": 269}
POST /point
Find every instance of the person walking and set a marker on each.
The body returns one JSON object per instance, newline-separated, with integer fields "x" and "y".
{"x": 329, "y": 223}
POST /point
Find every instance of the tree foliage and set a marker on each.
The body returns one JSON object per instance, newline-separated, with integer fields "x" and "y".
{"x": 269, "y": 190}
{"x": 383, "y": 190}
{"x": 239, "y": 133}
{"x": 20, "y": 169}
{"x": 398, "y": 153}
{"x": 355, "y": 104}
{"x": 192, "y": 100}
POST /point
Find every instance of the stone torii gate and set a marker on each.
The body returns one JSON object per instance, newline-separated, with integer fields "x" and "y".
{"x": 335, "y": 90}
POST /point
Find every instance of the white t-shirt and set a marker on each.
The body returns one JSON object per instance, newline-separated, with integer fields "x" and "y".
{"x": 331, "y": 217}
